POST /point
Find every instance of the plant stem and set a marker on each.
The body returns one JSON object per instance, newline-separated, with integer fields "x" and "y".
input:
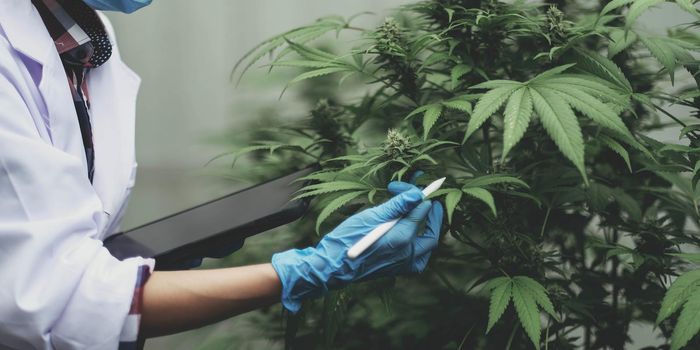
{"x": 464, "y": 339}
{"x": 546, "y": 218}
{"x": 512, "y": 335}
{"x": 487, "y": 143}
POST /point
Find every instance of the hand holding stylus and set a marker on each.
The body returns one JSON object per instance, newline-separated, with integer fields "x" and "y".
{"x": 398, "y": 249}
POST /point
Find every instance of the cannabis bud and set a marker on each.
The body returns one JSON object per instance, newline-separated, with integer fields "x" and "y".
{"x": 556, "y": 24}
{"x": 326, "y": 122}
{"x": 396, "y": 144}
{"x": 389, "y": 37}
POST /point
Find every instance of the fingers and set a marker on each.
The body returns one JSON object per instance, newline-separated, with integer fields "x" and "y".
{"x": 397, "y": 206}
{"x": 425, "y": 243}
{"x": 398, "y": 187}
{"x": 406, "y": 229}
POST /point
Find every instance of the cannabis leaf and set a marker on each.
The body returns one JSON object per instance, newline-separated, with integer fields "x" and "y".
{"x": 554, "y": 96}
{"x": 684, "y": 292}
{"x": 526, "y": 294}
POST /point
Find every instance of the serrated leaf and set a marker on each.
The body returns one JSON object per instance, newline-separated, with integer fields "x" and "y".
{"x": 617, "y": 148}
{"x": 636, "y": 10}
{"x": 482, "y": 195}
{"x": 614, "y": 4}
{"x": 492, "y": 179}
{"x": 668, "y": 53}
{"x": 451, "y": 200}
{"x": 500, "y": 298}
{"x": 487, "y": 106}
{"x": 592, "y": 107}
{"x": 619, "y": 41}
{"x": 457, "y": 72}
{"x": 688, "y": 129}
{"x": 526, "y": 308}
{"x": 551, "y": 72}
{"x": 517, "y": 117}
{"x": 561, "y": 126}
{"x": 460, "y": 105}
{"x": 688, "y": 322}
{"x": 496, "y": 282}
{"x": 603, "y": 67}
{"x": 430, "y": 117}
{"x": 334, "y": 205}
{"x": 691, "y": 257}
{"x": 329, "y": 187}
{"x": 539, "y": 293}
{"x": 317, "y": 73}
{"x": 677, "y": 294}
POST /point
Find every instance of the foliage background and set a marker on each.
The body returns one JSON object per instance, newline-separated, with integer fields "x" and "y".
{"x": 167, "y": 163}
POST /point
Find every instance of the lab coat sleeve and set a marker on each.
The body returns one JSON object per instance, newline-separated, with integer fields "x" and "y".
{"x": 60, "y": 288}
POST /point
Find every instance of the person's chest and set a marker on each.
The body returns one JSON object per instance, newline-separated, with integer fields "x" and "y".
{"x": 41, "y": 81}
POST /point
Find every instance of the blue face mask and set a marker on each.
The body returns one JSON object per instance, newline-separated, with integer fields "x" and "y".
{"x": 126, "y": 6}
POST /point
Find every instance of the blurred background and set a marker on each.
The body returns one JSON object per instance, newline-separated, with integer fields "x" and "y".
{"x": 184, "y": 51}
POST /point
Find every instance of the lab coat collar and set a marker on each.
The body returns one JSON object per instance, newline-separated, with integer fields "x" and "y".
{"x": 21, "y": 23}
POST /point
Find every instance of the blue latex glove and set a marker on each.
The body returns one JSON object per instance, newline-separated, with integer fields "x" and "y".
{"x": 311, "y": 272}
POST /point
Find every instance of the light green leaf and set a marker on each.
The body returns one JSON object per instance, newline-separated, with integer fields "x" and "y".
{"x": 492, "y": 179}
{"x": 614, "y": 4}
{"x": 617, "y": 148}
{"x": 451, "y": 200}
{"x": 551, "y": 72}
{"x": 688, "y": 322}
{"x": 317, "y": 73}
{"x": 482, "y": 195}
{"x": 329, "y": 187}
{"x": 460, "y": 105}
{"x": 538, "y": 291}
{"x": 591, "y": 107}
{"x": 457, "y": 72}
{"x": 677, "y": 294}
{"x": 603, "y": 67}
{"x": 688, "y": 6}
{"x": 619, "y": 41}
{"x": 497, "y": 83}
{"x": 561, "y": 125}
{"x": 500, "y": 298}
{"x": 637, "y": 8}
{"x": 430, "y": 117}
{"x": 691, "y": 257}
{"x": 517, "y": 117}
{"x": 526, "y": 308}
{"x": 334, "y": 205}
{"x": 487, "y": 106}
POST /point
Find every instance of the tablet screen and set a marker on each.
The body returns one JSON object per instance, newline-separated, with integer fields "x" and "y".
{"x": 249, "y": 210}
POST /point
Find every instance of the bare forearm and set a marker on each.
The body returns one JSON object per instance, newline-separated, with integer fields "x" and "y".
{"x": 175, "y": 301}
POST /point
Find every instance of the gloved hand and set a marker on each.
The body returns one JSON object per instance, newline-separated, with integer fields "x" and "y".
{"x": 311, "y": 272}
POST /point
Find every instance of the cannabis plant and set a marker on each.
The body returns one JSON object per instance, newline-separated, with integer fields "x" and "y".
{"x": 567, "y": 221}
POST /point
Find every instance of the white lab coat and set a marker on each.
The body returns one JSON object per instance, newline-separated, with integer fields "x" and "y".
{"x": 59, "y": 287}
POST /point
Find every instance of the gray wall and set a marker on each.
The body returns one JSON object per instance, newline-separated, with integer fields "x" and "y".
{"x": 184, "y": 51}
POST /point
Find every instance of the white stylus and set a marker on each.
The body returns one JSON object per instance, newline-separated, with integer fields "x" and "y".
{"x": 379, "y": 231}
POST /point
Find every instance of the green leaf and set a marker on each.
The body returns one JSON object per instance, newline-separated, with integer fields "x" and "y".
{"x": 688, "y": 6}
{"x": 500, "y": 298}
{"x": 460, "y": 105}
{"x": 688, "y": 322}
{"x": 667, "y": 52}
{"x": 614, "y": 4}
{"x": 617, "y": 148}
{"x": 526, "y": 308}
{"x": 561, "y": 125}
{"x": 593, "y": 108}
{"x": 317, "y": 73}
{"x": 637, "y": 8}
{"x": 688, "y": 129}
{"x": 691, "y": 257}
{"x": 487, "y": 106}
{"x": 482, "y": 195}
{"x": 451, "y": 200}
{"x": 539, "y": 293}
{"x": 603, "y": 67}
{"x": 619, "y": 41}
{"x": 334, "y": 205}
{"x": 551, "y": 72}
{"x": 430, "y": 117}
{"x": 457, "y": 72}
{"x": 677, "y": 294}
{"x": 492, "y": 179}
{"x": 329, "y": 187}
{"x": 517, "y": 117}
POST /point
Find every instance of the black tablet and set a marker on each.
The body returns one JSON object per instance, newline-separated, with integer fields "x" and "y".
{"x": 198, "y": 231}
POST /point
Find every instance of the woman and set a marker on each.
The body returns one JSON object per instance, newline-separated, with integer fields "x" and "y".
{"x": 66, "y": 168}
